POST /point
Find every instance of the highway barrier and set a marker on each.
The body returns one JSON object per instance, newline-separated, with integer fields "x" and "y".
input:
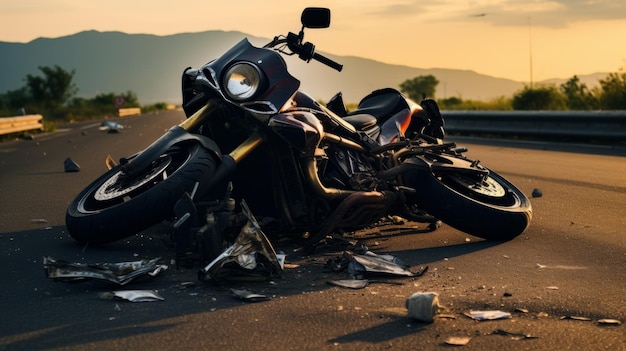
{"x": 18, "y": 124}
{"x": 601, "y": 125}
{"x": 131, "y": 111}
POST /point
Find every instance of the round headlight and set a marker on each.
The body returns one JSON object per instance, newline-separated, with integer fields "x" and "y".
{"x": 242, "y": 81}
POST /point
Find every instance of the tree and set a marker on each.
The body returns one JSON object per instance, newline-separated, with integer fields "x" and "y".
{"x": 613, "y": 94}
{"x": 542, "y": 97}
{"x": 54, "y": 89}
{"x": 578, "y": 96}
{"x": 420, "y": 87}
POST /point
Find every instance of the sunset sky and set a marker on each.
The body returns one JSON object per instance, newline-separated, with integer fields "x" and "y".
{"x": 501, "y": 38}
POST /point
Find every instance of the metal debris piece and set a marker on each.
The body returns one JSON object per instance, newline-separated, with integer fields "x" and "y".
{"x": 487, "y": 315}
{"x": 537, "y": 193}
{"x": 251, "y": 257}
{"x": 359, "y": 283}
{"x": 607, "y": 321}
{"x": 458, "y": 340}
{"x": 248, "y": 295}
{"x": 423, "y": 306}
{"x": 349, "y": 283}
{"x": 133, "y": 295}
{"x": 120, "y": 273}
{"x": 514, "y": 335}
{"x": 369, "y": 262}
{"x": 70, "y": 166}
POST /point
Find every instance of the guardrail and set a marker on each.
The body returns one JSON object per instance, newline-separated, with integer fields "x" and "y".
{"x": 18, "y": 124}
{"x": 130, "y": 111}
{"x": 565, "y": 124}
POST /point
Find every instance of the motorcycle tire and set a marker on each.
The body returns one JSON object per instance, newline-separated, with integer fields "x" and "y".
{"x": 110, "y": 209}
{"x": 493, "y": 209}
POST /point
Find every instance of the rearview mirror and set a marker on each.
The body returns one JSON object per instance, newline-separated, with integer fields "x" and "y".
{"x": 315, "y": 17}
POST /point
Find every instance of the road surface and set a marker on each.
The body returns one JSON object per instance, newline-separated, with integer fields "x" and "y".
{"x": 570, "y": 262}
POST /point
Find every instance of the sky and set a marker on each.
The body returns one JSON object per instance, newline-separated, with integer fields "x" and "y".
{"x": 523, "y": 40}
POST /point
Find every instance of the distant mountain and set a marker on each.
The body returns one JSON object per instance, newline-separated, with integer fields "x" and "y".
{"x": 151, "y": 66}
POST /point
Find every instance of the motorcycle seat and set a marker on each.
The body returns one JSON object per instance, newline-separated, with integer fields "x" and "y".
{"x": 362, "y": 121}
{"x": 382, "y": 104}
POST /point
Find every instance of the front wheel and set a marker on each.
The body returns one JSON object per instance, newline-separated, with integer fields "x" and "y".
{"x": 488, "y": 207}
{"x": 113, "y": 207}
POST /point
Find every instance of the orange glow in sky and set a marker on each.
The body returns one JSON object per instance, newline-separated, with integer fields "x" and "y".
{"x": 501, "y": 38}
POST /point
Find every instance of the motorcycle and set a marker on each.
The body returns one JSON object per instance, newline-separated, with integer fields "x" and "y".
{"x": 312, "y": 169}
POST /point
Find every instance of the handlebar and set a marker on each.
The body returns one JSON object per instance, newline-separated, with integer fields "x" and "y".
{"x": 328, "y": 62}
{"x": 306, "y": 51}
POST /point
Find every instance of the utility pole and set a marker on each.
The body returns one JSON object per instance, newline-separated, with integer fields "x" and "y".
{"x": 530, "y": 52}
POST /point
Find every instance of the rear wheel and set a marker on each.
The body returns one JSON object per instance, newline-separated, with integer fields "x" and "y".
{"x": 488, "y": 207}
{"x": 114, "y": 207}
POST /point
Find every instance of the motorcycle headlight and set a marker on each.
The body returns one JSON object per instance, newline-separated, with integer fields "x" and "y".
{"x": 242, "y": 81}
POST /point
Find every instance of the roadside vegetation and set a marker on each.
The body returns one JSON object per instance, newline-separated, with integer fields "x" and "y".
{"x": 53, "y": 95}
{"x": 571, "y": 95}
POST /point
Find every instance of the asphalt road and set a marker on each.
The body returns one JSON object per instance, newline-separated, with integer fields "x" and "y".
{"x": 571, "y": 262}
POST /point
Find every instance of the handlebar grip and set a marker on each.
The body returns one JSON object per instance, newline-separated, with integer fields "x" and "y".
{"x": 328, "y": 62}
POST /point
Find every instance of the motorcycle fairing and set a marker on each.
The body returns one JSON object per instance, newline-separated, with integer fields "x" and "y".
{"x": 277, "y": 88}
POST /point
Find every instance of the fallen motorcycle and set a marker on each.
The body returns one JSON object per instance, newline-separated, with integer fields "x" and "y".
{"x": 311, "y": 169}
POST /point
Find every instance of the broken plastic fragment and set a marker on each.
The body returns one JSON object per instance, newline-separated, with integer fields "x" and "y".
{"x": 70, "y": 165}
{"x": 120, "y": 273}
{"x": 251, "y": 257}
{"x": 248, "y": 295}
{"x": 133, "y": 295}
{"x": 488, "y": 315}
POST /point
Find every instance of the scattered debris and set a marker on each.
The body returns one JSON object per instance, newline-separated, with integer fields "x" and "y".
{"x": 133, "y": 295}
{"x": 248, "y": 295}
{"x": 607, "y": 321}
{"x": 70, "y": 166}
{"x": 120, "y": 273}
{"x": 110, "y": 127}
{"x": 537, "y": 193}
{"x": 251, "y": 257}
{"x": 514, "y": 335}
{"x": 487, "y": 315}
{"x": 423, "y": 306}
{"x": 458, "y": 340}
{"x": 38, "y": 220}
